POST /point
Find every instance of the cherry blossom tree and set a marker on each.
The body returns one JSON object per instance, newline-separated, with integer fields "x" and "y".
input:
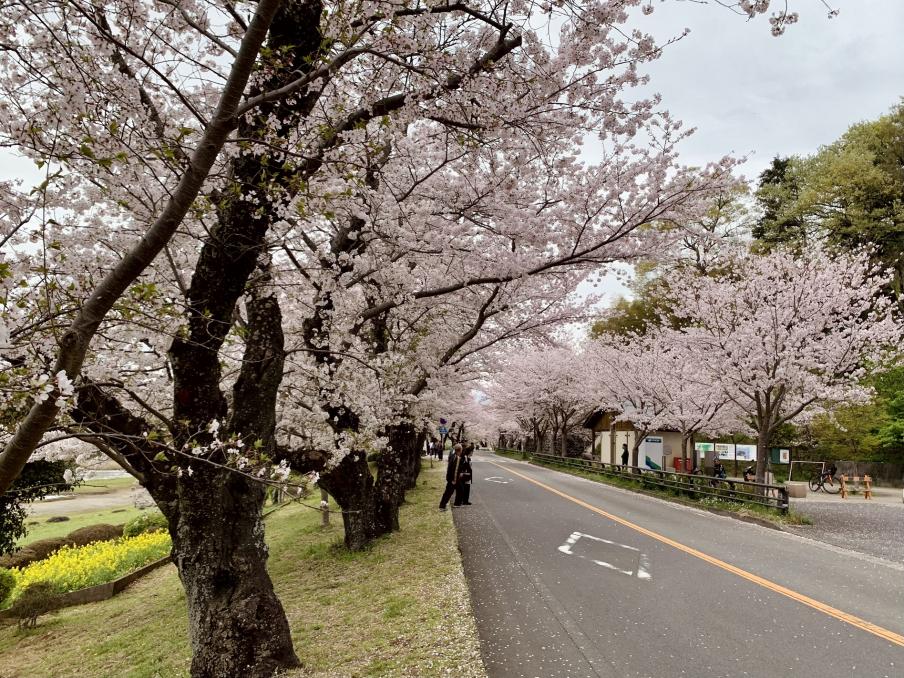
{"x": 787, "y": 336}
{"x": 542, "y": 389}
{"x": 693, "y": 402}
{"x": 624, "y": 376}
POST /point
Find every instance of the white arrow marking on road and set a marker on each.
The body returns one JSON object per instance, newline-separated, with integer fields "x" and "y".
{"x": 643, "y": 564}
{"x": 498, "y": 479}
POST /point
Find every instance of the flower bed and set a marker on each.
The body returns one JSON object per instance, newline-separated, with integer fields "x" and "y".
{"x": 77, "y": 567}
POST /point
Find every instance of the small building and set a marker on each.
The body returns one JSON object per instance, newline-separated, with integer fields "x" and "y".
{"x": 661, "y": 447}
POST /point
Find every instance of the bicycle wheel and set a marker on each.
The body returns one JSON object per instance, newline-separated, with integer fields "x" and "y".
{"x": 814, "y": 484}
{"x": 831, "y": 486}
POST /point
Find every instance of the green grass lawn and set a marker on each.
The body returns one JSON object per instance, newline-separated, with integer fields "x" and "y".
{"x": 400, "y": 608}
{"x": 45, "y": 530}
{"x": 105, "y": 485}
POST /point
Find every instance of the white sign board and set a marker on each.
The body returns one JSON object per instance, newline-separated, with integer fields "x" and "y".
{"x": 651, "y": 448}
{"x": 726, "y": 451}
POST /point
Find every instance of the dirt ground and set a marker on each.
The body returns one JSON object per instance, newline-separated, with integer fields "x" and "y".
{"x": 78, "y": 503}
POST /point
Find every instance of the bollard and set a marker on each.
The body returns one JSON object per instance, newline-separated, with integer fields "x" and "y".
{"x": 324, "y": 508}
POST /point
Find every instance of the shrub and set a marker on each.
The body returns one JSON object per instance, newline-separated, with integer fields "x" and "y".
{"x": 36, "y": 599}
{"x": 37, "y": 550}
{"x": 7, "y": 584}
{"x": 73, "y": 567}
{"x": 147, "y": 522}
{"x": 58, "y": 519}
{"x": 92, "y": 533}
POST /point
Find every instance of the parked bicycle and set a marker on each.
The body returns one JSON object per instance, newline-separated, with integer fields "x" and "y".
{"x": 826, "y": 482}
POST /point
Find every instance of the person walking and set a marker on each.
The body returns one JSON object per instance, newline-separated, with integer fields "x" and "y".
{"x": 452, "y": 470}
{"x": 463, "y": 487}
{"x": 624, "y": 454}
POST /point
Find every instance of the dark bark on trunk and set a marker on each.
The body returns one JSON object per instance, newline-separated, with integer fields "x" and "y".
{"x": 635, "y": 452}
{"x": 762, "y": 449}
{"x": 236, "y": 622}
{"x": 414, "y": 461}
{"x": 351, "y": 484}
{"x": 397, "y": 472}
{"x": 392, "y": 477}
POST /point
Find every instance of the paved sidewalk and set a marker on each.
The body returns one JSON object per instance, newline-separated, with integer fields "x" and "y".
{"x": 870, "y": 527}
{"x": 881, "y": 495}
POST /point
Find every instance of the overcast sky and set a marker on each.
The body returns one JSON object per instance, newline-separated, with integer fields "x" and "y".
{"x": 749, "y": 92}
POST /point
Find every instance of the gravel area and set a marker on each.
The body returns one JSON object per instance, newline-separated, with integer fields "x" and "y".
{"x": 874, "y": 529}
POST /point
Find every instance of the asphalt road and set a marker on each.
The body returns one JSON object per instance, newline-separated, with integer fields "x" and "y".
{"x": 560, "y": 590}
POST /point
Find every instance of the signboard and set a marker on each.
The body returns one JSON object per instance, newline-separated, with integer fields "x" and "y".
{"x": 443, "y": 430}
{"x": 650, "y": 448}
{"x": 726, "y": 451}
{"x": 780, "y": 455}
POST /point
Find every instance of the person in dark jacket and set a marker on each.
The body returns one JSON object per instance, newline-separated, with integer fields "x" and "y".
{"x": 463, "y": 486}
{"x": 624, "y": 454}
{"x": 453, "y": 468}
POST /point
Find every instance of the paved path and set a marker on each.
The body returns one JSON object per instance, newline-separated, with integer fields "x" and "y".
{"x": 881, "y": 495}
{"x": 876, "y": 529}
{"x": 578, "y": 579}
{"x": 117, "y": 498}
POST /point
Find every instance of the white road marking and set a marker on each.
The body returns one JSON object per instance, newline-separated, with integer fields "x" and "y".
{"x": 498, "y": 479}
{"x": 643, "y": 562}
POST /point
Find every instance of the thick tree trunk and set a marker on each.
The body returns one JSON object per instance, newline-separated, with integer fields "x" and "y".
{"x": 564, "y": 441}
{"x": 685, "y": 444}
{"x": 351, "y": 484}
{"x": 762, "y": 449}
{"x": 236, "y": 622}
{"x": 635, "y": 452}
{"x": 394, "y": 472}
{"x": 414, "y": 463}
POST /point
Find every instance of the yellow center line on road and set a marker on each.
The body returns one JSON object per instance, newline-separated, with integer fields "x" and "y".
{"x": 862, "y": 624}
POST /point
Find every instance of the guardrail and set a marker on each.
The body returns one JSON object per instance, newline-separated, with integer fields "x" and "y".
{"x": 695, "y": 486}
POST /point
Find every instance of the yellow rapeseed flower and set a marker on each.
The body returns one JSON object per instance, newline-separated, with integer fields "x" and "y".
{"x": 76, "y": 567}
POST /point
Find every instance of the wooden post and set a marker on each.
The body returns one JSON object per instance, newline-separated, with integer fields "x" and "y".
{"x": 867, "y": 487}
{"x": 324, "y": 508}
{"x": 843, "y": 486}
